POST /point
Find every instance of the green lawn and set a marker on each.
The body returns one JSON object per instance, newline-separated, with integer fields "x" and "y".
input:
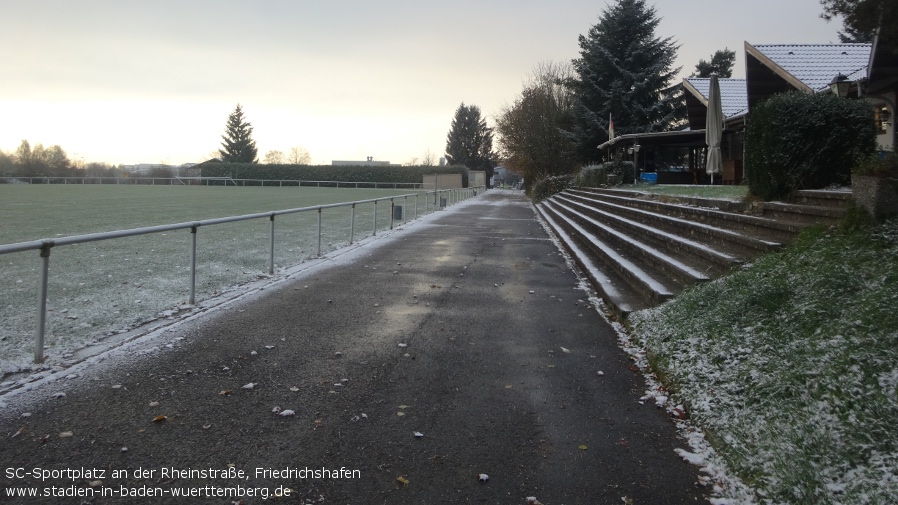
{"x": 735, "y": 193}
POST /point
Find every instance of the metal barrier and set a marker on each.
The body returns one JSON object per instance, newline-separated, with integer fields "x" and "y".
{"x": 45, "y": 245}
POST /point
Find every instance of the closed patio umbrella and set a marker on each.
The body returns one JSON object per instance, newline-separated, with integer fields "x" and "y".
{"x": 714, "y": 129}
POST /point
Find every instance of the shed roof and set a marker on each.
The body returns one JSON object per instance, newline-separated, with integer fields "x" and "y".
{"x": 815, "y": 65}
{"x": 778, "y": 68}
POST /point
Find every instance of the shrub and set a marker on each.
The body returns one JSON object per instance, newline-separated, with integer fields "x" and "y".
{"x": 878, "y": 166}
{"x": 593, "y": 176}
{"x": 805, "y": 141}
{"x": 548, "y": 186}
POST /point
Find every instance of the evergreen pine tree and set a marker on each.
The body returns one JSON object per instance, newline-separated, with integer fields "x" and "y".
{"x": 470, "y": 141}
{"x": 624, "y": 71}
{"x": 238, "y": 145}
{"x": 721, "y": 63}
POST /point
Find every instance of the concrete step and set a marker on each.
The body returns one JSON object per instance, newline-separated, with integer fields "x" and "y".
{"x": 676, "y": 266}
{"x": 692, "y": 223}
{"x": 620, "y": 298}
{"x": 839, "y": 198}
{"x": 801, "y": 215}
{"x": 715, "y": 259}
{"x": 654, "y": 286}
{"x": 761, "y": 228}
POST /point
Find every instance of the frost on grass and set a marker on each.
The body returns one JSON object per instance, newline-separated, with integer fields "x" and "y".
{"x": 791, "y": 367}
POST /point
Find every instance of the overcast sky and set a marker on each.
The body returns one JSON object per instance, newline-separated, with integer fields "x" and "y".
{"x": 153, "y": 82}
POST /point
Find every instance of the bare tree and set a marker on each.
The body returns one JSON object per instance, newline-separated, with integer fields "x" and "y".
{"x": 299, "y": 156}
{"x": 532, "y": 130}
{"x": 429, "y": 159}
{"x": 412, "y": 162}
{"x": 274, "y": 158}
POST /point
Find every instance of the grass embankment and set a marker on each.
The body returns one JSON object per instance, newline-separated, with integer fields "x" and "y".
{"x": 790, "y": 365}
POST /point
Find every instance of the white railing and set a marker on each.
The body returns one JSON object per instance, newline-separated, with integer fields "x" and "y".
{"x": 441, "y": 199}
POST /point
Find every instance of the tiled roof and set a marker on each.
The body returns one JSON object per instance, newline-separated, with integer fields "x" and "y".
{"x": 733, "y": 94}
{"x": 815, "y": 65}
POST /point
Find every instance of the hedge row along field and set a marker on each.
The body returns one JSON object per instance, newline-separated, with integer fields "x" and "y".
{"x": 370, "y": 174}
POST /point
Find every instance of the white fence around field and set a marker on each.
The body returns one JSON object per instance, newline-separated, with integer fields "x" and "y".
{"x": 208, "y": 181}
{"x": 432, "y": 201}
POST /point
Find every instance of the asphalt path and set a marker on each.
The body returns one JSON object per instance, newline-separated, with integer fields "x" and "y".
{"x": 457, "y": 347}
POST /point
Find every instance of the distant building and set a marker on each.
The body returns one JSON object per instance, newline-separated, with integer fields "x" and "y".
{"x": 367, "y": 163}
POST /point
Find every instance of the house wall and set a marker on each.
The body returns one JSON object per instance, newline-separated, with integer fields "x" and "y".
{"x": 886, "y": 138}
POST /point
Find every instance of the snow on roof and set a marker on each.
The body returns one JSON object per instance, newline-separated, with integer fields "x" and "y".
{"x": 733, "y": 94}
{"x": 815, "y": 65}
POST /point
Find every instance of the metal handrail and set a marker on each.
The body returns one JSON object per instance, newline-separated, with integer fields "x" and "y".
{"x": 171, "y": 181}
{"x": 45, "y": 245}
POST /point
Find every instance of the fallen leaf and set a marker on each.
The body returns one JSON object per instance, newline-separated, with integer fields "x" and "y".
{"x": 400, "y": 413}
{"x": 418, "y": 434}
{"x": 276, "y": 410}
{"x": 402, "y": 480}
{"x": 623, "y": 442}
{"x": 159, "y": 419}
{"x": 403, "y": 345}
{"x": 66, "y": 434}
{"x": 58, "y": 395}
{"x": 250, "y": 385}
{"x": 531, "y": 500}
{"x": 224, "y": 392}
{"x": 634, "y": 368}
{"x": 403, "y": 406}
{"x": 154, "y": 404}
{"x": 565, "y": 350}
{"x": 19, "y": 432}
{"x": 95, "y": 483}
{"x": 294, "y": 389}
{"x": 483, "y": 478}
{"x": 582, "y": 447}
{"x": 286, "y": 413}
{"x": 207, "y": 426}
{"x": 269, "y": 347}
{"x": 600, "y": 373}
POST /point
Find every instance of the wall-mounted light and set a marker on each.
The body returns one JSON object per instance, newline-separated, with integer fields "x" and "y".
{"x": 839, "y": 85}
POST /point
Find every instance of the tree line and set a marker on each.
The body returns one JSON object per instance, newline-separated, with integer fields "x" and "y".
{"x": 52, "y": 161}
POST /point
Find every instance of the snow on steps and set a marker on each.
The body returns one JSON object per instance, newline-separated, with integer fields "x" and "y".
{"x": 639, "y": 252}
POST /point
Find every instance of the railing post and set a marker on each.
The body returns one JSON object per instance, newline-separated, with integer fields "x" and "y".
{"x": 351, "y": 222}
{"x": 42, "y": 304}
{"x": 374, "y": 232}
{"x": 271, "y": 247}
{"x": 392, "y": 212}
{"x": 416, "y": 206}
{"x": 192, "y": 299}
{"x": 405, "y": 209}
{"x": 319, "y": 232}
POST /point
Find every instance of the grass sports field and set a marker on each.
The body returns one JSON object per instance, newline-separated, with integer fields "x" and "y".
{"x": 99, "y": 287}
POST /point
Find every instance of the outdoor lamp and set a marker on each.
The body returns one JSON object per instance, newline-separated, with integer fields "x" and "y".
{"x": 885, "y": 117}
{"x": 839, "y": 85}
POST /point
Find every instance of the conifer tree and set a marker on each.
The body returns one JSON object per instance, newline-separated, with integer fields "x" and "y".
{"x": 624, "y": 72}
{"x": 470, "y": 141}
{"x": 238, "y": 145}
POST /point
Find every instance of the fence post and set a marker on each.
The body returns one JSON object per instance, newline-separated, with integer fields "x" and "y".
{"x": 405, "y": 209}
{"x": 374, "y": 232}
{"x": 42, "y": 304}
{"x": 271, "y": 248}
{"x": 192, "y": 299}
{"x": 416, "y": 206}
{"x": 392, "y": 212}
{"x": 319, "y": 232}
{"x": 351, "y": 222}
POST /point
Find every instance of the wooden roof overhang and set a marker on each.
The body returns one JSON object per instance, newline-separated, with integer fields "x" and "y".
{"x": 764, "y": 78}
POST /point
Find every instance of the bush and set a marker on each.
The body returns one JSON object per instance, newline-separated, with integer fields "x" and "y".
{"x": 885, "y": 165}
{"x": 328, "y": 172}
{"x": 805, "y": 141}
{"x": 546, "y": 187}
{"x": 593, "y": 176}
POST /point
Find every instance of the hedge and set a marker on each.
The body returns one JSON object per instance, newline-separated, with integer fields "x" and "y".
{"x": 342, "y": 173}
{"x": 805, "y": 141}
